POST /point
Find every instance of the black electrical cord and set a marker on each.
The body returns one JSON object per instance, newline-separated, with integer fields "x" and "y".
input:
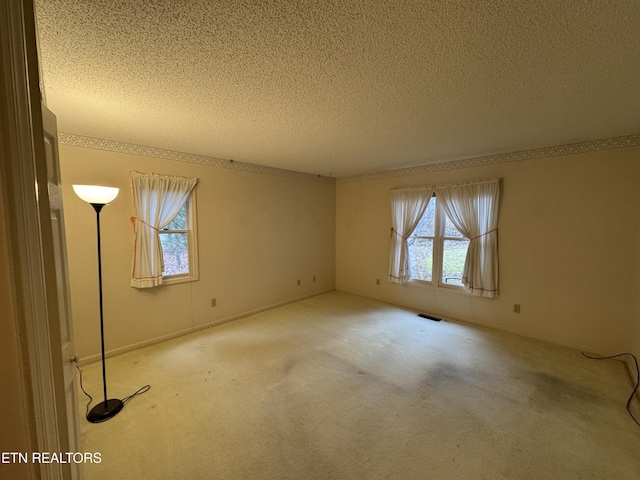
{"x": 85, "y": 392}
{"x": 635, "y": 360}
{"x": 124, "y": 400}
{"x": 138, "y": 392}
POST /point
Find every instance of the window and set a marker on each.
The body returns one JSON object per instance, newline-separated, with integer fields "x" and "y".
{"x": 164, "y": 227}
{"x": 178, "y": 242}
{"x": 449, "y": 241}
{"x": 437, "y": 249}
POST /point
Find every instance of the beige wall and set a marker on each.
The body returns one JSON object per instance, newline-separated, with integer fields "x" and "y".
{"x": 258, "y": 234}
{"x": 569, "y": 249}
{"x": 569, "y": 246}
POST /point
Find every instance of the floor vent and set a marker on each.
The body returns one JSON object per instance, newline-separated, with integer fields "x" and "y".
{"x": 435, "y": 319}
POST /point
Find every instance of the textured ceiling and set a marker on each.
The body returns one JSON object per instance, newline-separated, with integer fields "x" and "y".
{"x": 341, "y": 88}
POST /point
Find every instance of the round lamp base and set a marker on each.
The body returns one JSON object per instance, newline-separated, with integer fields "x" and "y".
{"x": 105, "y": 410}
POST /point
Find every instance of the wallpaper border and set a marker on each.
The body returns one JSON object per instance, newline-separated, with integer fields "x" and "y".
{"x": 569, "y": 149}
{"x": 109, "y": 145}
{"x": 559, "y": 150}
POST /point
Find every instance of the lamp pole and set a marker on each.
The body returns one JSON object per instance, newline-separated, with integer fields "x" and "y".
{"x": 109, "y": 408}
{"x": 98, "y": 197}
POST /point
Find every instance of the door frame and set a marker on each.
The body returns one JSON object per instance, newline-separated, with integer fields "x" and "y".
{"x": 30, "y": 238}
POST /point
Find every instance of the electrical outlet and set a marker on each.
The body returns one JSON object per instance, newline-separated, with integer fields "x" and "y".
{"x": 213, "y": 302}
{"x": 516, "y": 308}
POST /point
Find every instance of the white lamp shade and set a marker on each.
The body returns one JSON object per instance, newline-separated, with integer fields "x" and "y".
{"x": 96, "y": 193}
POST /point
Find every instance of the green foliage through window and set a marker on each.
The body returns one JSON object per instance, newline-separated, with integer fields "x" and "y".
{"x": 175, "y": 245}
{"x": 436, "y": 237}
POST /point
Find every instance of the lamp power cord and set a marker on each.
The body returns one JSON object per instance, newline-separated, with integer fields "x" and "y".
{"x": 635, "y": 360}
{"x": 124, "y": 400}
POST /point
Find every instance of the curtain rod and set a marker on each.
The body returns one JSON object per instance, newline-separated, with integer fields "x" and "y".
{"x": 421, "y": 187}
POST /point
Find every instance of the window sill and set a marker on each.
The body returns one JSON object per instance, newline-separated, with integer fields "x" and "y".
{"x": 172, "y": 280}
{"x": 443, "y": 288}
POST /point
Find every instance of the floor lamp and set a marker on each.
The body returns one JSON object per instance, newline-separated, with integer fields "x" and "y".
{"x": 98, "y": 197}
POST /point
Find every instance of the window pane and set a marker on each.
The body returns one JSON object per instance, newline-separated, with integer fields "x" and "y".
{"x": 449, "y": 229}
{"x": 180, "y": 220}
{"x": 175, "y": 252}
{"x": 426, "y": 227}
{"x": 421, "y": 258}
{"x": 453, "y": 256}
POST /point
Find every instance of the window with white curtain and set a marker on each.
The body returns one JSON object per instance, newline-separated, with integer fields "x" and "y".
{"x": 164, "y": 247}
{"x": 437, "y": 250}
{"x": 446, "y": 235}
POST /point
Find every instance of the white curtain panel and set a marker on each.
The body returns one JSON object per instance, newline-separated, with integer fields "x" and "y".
{"x": 407, "y": 207}
{"x": 473, "y": 209}
{"x": 157, "y": 199}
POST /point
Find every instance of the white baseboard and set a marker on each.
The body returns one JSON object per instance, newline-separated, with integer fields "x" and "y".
{"x": 483, "y": 324}
{"x": 163, "y": 338}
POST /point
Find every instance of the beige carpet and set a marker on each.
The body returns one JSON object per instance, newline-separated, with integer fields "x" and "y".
{"x": 341, "y": 387}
